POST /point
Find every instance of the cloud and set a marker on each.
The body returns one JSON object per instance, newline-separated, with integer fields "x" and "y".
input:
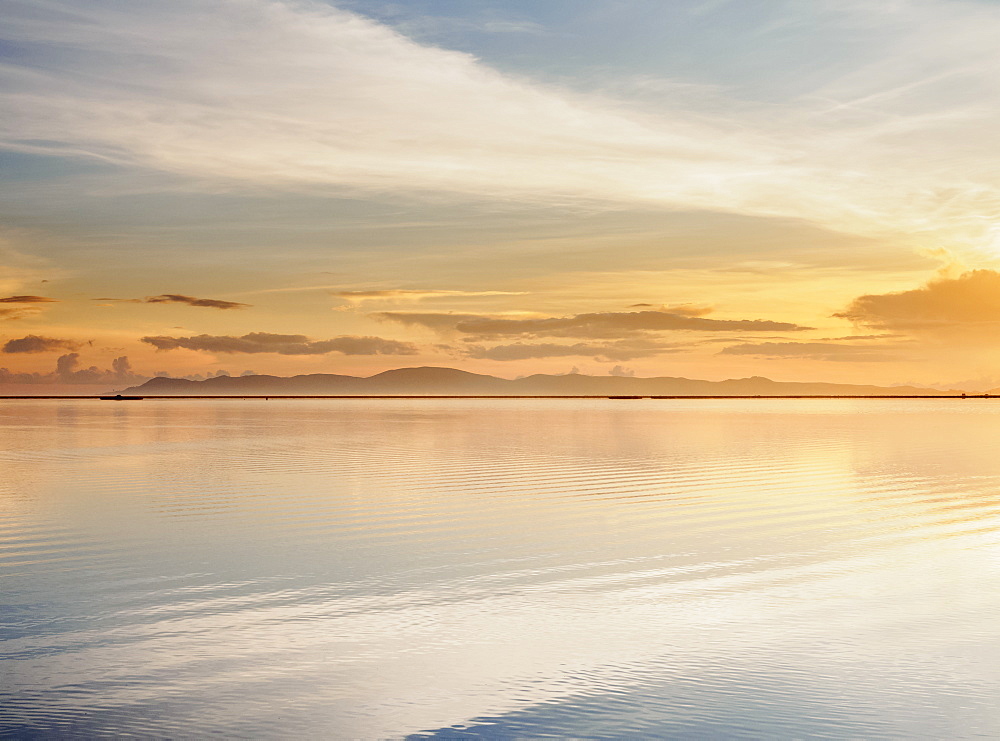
{"x": 609, "y": 324}
{"x": 862, "y": 337}
{"x": 608, "y": 351}
{"x": 432, "y": 320}
{"x": 416, "y": 294}
{"x": 210, "y": 303}
{"x": 284, "y": 344}
{"x": 17, "y": 313}
{"x": 27, "y": 300}
{"x": 598, "y": 325}
{"x": 621, "y": 371}
{"x": 682, "y": 309}
{"x": 68, "y": 371}
{"x": 27, "y": 306}
{"x": 885, "y": 132}
{"x": 33, "y": 343}
{"x": 813, "y": 351}
{"x": 215, "y": 102}
{"x": 436, "y": 26}
{"x": 177, "y": 298}
{"x": 967, "y": 303}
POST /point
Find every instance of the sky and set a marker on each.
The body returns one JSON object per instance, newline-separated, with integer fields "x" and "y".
{"x": 803, "y": 189}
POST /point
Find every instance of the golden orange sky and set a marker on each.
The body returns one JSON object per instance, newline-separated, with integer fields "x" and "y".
{"x": 708, "y": 189}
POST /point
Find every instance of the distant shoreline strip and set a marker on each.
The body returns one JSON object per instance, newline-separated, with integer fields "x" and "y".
{"x": 510, "y": 396}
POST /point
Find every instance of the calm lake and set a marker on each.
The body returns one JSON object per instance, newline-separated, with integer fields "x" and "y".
{"x": 500, "y": 568}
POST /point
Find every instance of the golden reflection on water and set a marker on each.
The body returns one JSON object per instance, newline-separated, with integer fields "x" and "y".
{"x": 370, "y": 569}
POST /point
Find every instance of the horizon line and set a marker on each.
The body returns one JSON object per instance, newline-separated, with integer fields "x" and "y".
{"x": 108, "y": 397}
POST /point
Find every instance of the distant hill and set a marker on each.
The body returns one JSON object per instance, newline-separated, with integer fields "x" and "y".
{"x": 429, "y": 381}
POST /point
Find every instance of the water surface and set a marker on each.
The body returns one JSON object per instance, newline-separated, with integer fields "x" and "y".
{"x": 500, "y": 568}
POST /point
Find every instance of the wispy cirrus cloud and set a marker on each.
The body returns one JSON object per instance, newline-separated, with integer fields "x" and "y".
{"x": 277, "y": 93}
{"x": 681, "y": 309}
{"x": 433, "y": 320}
{"x": 415, "y": 294}
{"x": 283, "y": 344}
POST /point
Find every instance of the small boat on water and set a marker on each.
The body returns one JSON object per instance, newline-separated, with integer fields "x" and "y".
{"x": 119, "y": 397}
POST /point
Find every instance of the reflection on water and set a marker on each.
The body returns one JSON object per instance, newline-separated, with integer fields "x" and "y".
{"x": 500, "y": 569}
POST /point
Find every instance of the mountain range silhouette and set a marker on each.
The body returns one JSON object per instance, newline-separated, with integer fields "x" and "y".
{"x": 433, "y": 381}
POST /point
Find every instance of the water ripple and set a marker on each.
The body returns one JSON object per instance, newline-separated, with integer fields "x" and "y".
{"x": 472, "y": 569}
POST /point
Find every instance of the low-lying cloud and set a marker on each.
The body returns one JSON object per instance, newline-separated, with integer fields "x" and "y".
{"x": 603, "y": 351}
{"x": 598, "y": 325}
{"x": 68, "y": 370}
{"x": 969, "y": 302}
{"x": 812, "y": 351}
{"x": 283, "y": 344}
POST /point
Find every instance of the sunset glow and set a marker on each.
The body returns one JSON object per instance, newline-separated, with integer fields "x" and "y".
{"x": 455, "y": 184}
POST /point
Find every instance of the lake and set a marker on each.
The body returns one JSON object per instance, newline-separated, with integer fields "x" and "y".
{"x": 500, "y": 568}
